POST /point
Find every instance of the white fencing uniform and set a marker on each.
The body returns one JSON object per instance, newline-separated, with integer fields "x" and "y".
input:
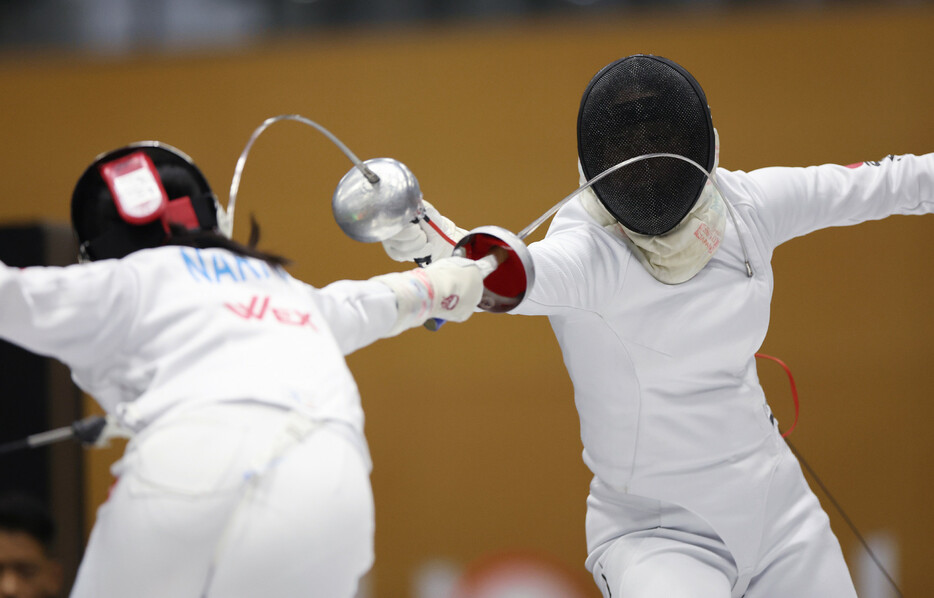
{"x": 249, "y": 473}
{"x": 694, "y": 493}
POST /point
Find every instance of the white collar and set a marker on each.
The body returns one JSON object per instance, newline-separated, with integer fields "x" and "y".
{"x": 678, "y": 255}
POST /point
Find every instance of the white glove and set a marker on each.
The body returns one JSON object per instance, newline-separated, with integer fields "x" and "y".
{"x": 449, "y": 288}
{"x": 419, "y": 242}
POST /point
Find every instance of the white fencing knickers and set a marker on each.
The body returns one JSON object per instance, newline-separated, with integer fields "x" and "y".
{"x": 665, "y": 551}
{"x": 233, "y": 500}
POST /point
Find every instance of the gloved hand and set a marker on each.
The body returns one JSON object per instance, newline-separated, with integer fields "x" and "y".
{"x": 457, "y": 283}
{"x": 449, "y": 288}
{"x": 419, "y": 242}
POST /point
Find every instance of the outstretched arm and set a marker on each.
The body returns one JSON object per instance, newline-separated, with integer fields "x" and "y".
{"x": 795, "y": 201}
{"x": 360, "y": 312}
{"x": 76, "y": 314}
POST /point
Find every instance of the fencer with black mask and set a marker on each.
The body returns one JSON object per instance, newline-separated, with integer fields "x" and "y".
{"x": 657, "y": 282}
{"x": 248, "y": 472}
{"x": 667, "y": 210}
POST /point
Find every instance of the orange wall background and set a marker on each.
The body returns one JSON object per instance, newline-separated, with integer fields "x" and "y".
{"x": 473, "y": 430}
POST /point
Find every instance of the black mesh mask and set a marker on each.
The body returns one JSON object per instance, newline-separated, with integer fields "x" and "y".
{"x": 640, "y": 105}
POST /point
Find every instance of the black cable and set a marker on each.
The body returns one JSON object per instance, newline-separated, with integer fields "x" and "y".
{"x": 89, "y": 429}
{"x": 846, "y": 518}
{"x": 86, "y": 431}
{"x": 15, "y": 445}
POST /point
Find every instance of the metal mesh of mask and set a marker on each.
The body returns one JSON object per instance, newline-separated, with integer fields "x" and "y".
{"x": 641, "y": 105}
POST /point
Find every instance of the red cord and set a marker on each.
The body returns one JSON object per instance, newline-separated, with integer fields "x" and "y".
{"x": 439, "y": 231}
{"x": 794, "y": 390}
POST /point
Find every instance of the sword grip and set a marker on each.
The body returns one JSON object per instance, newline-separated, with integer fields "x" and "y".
{"x": 487, "y": 265}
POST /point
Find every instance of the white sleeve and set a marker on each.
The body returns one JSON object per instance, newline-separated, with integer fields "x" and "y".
{"x": 576, "y": 268}
{"x": 358, "y": 312}
{"x": 78, "y": 314}
{"x": 791, "y": 202}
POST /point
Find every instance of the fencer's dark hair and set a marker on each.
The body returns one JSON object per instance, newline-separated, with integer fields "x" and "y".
{"x": 103, "y": 233}
{"x": 25, "y": 513}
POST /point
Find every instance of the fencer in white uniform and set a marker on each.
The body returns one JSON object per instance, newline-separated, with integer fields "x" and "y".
{"x": 248, "y": 473}
{"x": 658, "y": 290}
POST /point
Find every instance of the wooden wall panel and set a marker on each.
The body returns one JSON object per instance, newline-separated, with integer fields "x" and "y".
{"x": 473, "y": 430}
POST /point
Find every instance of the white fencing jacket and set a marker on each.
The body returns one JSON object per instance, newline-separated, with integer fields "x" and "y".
{"x": 173, "y": 325}
{"x": 665, "y": 376}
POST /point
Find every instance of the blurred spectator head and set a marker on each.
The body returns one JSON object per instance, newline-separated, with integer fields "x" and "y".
{"x": 27, "y": 569}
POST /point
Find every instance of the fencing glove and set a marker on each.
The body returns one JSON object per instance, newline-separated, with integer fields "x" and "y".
{"x": 449, "y": 288}
{"x": 420, "y": 242}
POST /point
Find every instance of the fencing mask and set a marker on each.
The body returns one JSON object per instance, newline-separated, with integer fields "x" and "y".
{"x": 129, "y": 198}
{"x": 639, "y": 105}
